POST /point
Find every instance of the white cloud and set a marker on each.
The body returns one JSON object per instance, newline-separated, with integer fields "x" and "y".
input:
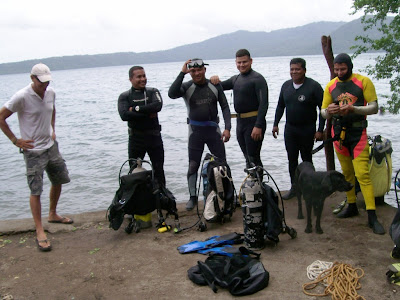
{"x": 31, "y": 29}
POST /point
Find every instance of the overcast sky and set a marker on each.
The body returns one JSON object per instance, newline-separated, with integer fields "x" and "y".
{"x": 38, "y": 29}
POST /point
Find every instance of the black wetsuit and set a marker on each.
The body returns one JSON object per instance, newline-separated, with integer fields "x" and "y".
{"x": 143, "y": 126}
{"x": 301, "y": 115}
{"x": 201, "y": 102}
{"x": 250, "y": 93}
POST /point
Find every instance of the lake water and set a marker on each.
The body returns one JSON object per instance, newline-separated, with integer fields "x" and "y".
{"x": 93, "y": 139}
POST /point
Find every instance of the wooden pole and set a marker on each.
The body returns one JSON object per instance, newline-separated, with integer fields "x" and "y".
{"x": 329, "y": 153}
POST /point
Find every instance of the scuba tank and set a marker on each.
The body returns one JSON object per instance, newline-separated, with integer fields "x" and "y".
{"x": 142, "y": 221}
{"x": 252, "y": 208}
{"x": 139, "y": 167}
{"x": 262, "y": 218}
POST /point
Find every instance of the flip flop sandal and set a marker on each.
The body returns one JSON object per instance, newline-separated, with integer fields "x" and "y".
{"x": 41, "y": 248}
{"x": 63, "y": 220}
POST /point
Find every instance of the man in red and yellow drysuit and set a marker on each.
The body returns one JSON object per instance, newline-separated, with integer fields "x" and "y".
{"x": 348, "y": 99}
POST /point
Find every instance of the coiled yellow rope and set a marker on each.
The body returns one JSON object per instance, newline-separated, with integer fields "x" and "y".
{"x": 342, "y": 282}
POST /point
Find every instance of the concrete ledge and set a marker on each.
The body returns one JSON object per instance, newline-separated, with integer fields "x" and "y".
{"x": 8, "y": 227}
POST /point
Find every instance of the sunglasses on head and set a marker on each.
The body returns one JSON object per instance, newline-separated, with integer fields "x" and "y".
{"x": 196, "y": 63}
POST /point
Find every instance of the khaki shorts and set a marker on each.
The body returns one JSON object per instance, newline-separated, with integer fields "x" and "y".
{"x": 49, "y": 160}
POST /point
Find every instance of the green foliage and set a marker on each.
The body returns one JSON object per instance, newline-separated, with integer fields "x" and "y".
{"x": 4, "y": 242}
{"x": 376, "y": 13}
{"x": 94, "y": 250}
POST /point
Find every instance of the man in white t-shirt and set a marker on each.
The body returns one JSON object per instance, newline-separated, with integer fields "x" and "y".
{"x": 35, "y": 106}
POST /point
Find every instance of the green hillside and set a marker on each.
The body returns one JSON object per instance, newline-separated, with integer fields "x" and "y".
{"x": 302, "y": 40}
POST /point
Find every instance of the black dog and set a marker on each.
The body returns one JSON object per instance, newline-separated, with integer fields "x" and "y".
{"x": 315, "y": 187}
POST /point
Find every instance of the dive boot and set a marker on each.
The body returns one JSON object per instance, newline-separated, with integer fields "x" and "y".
{"x": 349, "y": 212}
{"x": 290, "y": 194}
{"x": 373, "y": 223}
{"x": 191, "y": 203}
{"x": 377, "y": 228}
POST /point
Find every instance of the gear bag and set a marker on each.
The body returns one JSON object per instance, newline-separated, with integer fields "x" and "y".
{"x": 394, "y": 229}
{"x": 220, "y": 191}
{"x": 240, "y": 274}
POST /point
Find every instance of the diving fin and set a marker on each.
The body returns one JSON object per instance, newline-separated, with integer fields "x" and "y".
{"x": 212, "y": 242}
{"x": 195, "y": 245}
{"x": 393, "y": 274}
{"x": 229, "y": 250}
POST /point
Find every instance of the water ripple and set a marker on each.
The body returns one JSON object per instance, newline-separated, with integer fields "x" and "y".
{"x": 93, "y": 139}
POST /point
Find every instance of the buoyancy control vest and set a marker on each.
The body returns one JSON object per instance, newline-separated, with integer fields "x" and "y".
{"x": 139, "y": 193}
{"x": 220, "y": 202}
{"x": 380, "y": 164}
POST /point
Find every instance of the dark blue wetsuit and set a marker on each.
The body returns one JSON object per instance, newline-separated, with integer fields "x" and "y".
{"x": 143, "y": 126}
{"x": 201, "y": 102}
{"x": 301, "y": 115}
{"x": 250, "y": 94}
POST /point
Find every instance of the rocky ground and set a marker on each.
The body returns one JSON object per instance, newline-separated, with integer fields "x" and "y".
{"x": 91, "y": 261}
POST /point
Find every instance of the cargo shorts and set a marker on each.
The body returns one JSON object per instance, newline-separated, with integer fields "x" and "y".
{"x": 49, "y": 160}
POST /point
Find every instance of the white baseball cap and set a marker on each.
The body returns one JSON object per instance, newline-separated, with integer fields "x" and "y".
{"x": 42, "y": 72}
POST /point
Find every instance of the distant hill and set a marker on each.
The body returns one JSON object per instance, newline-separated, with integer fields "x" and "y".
{"x": 302, "y": 40}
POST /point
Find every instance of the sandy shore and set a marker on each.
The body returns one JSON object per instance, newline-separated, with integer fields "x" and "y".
{"x": 91, "y": 261}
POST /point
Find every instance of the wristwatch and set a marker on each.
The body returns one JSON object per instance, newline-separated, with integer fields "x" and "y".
{"x": 137, "y": 107}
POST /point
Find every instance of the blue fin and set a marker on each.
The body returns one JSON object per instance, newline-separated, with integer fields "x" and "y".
{"x": 195, "y": 245}
{"x": 226, "y": 250}
{"x": 212, "y": 242}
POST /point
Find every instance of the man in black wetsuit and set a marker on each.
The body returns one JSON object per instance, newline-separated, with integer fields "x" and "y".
{"x": 300, "y": 96}
{"x": 250, "y": 98}
{"x": 139, "y": 106}
{"x": 201, "y": 99}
